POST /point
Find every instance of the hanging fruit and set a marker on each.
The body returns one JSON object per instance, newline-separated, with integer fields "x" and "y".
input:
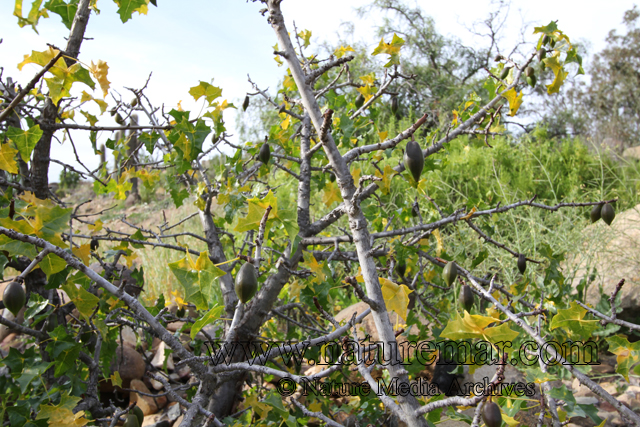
{"x": 607, "y": 213}
{"x": 246, "y": 282}
{"x": 466, "y": 297}
{"x": 265, "y": 153}
{"x": 414, "y": 159}
{"x": 245, "y": 103}
{"x": 14, "y": 297}
{"x": 450, "y": 273}
{"x": 522, "y": 263}
{"x": 491, "y": 414}
{"x": 596, "y": 213}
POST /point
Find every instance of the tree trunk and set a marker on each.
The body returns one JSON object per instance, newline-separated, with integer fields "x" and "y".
{"x": 42, "y": 150}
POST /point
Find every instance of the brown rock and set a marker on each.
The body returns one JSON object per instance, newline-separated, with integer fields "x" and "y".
{"x": 175, "y": 326}
{"x": 178, "y": 421}
{"x": 610, "y": 388}
{"x": 580, "y": 390}
{"x": 603, "y": 368}
{"x": 146, "y": 403}
{"x": 612, "y": 251}
{"x": 129, "y": 337}
{"x": 129, "y": 363}
{"x": 159, "y": 358}
{"x": 151, "y": 420}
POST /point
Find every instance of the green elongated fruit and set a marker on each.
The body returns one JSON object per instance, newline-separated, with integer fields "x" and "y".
{"x": 359, "y": 101}
{"x": 415, "y": 210}
{"x": 265, "y": 153}
{"x": 245, "y": 103}
{"x": 607, "y": 213}
{"x": 529, "y": 71}
{"x": 401, "y": 268}
{"x": 545, "y": 39}
{"x": 94, "y": 244}
{"x": 113, "y": 111}
{"x": 52, "y": 322}
{"x": 466, "y": 297}
{"x": 14, "y": 297}
{"x": 505, "y": 72}
{"x": 414, "y": 159}
{"x": 119, "y": 119}
{"x": 491, "y": 414}
{"x": 596, "y": 213}
{"x": 450, "y": 273}
{"x": 138, "y": 413}
{"x": 542, "y": 53}
{"x": 132, "y": 421}
{"x": 522, "y": 263}
{"x": 246, "y": 282}
{"x": 134, "y": 102}
{"x": 531, "y": 81}
{"x": 332, "y": 177}
{"x": 394, "y": 104}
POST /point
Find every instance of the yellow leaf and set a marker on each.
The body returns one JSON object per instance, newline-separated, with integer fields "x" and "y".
{"x": 115, "y": 379}
{"x": 62, "y": 414}
{"x": 130, "y": 258}
{"x": 312, "y": 264}
{"x": 305, "y": 35}
{"x": 317, "y": 406}
{"x": 396, "y": 297}
{"x": 8, "y": 158}
{"x": 356, "y": 175}
{"x": 470, "y": 213}
{"x": 509, "y": 420}
{"x": 515, "y": 100}
{"x": 385, "y": 184}
{"x": 285, "y": 124}
{"x": 342, "y": 50}
{"x": 383, "y": 135}
{"x": 83, "y": 252}
{"x": 100, "y": 71}
{"x": 368, "y": 79}
{"x": 331, "y": 194}
{"x": 439, "y": 245}
{"x": 96, "y": 227}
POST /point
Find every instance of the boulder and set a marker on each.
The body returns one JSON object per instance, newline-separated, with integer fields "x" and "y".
{"x": 129, "y": 363}
{"x": 632, "y": 153}
{"x": 614, "y": 252}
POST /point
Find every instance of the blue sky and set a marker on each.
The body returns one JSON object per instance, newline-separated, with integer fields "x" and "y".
{"x": 183, "y": 42}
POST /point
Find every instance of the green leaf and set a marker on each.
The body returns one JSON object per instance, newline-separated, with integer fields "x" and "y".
{"x": 52, "y": 264}
{"x": 35, "y": 305}
{"x": 25, "y": 140}
{"x": 210, "y": 92}
{"x": 197, "y": 278}
{"x": 138, "y": 236}
{"x": 210, "y": 317}
{"x": 15, "y": 247}
{"x": 84, "y": 301}
{"x": 628, "y": 354}
{"x": 572, "y": 320}
{"x": 67, "y": 11}
{"x": 127, "y": 7}
{"x": 392, "y": 49}
{"x": 149, "y": 140}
